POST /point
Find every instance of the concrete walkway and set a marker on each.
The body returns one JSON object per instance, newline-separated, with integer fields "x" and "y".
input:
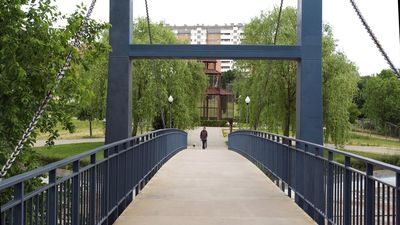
{"x": 214, "y": 186}
{"x": 40, "y": 143}
{"x": 215, "y": 138}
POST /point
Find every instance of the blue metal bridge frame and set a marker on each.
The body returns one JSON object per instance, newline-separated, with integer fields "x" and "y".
{"x": 307, "y": 53}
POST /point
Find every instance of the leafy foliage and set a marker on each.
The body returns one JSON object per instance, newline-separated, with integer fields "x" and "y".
{"x": 32, "y": 50}
{"x": 183, "y": 79}
{"x": 93, "y": 78}
{"x": 273, "y": 90}
{"x": 382, "y": 98}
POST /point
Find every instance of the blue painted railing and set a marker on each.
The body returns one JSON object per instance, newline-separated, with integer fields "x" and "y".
{"x": 94, "y": 187}
{"x": 324, "y": 180}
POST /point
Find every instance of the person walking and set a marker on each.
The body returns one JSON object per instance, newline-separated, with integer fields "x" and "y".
{"x": 203, "y": 137}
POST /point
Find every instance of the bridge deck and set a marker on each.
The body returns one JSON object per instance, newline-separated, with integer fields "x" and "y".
{"x": 215, "y": 186}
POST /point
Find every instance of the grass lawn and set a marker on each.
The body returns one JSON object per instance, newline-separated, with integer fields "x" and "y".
{"x": 81, "y": 131}
{"x": 390, "y": 159}
{"x": 362, "y": 139}
{"x": 59, "y": 152}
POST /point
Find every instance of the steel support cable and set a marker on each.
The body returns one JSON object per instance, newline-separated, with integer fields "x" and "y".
{"x": 158, "y": 78}
{"x": 278, "y": 24}
{"x": 43, "y": 105}
{"x": 374, "y": 39}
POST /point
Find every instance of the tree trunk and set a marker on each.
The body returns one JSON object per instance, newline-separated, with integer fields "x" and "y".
{"x": 90, "y": 128}
{"x": 134, "y": 128}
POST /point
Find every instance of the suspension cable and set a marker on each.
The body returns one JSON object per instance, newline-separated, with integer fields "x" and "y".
{"x": 269, "y": 71}
{"x": 49, "y": 96}
{"x": 374, "y": 39}
{"x": 158, "y": 78}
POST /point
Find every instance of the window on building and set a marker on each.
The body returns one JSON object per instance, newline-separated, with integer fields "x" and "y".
{"x": 211, "y": 66}
{"x": 213, "y": 81}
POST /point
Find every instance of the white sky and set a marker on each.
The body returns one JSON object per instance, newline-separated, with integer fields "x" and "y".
{"x": 348, "y": 30}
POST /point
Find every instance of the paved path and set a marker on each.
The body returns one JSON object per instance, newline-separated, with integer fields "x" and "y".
{"x": 215, "y": 138}
{"x": 40, "y": 143}
{"x": 214, "y": 186}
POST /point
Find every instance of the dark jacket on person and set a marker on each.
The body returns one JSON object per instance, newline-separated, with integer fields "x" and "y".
{"x": 203, "y": 135}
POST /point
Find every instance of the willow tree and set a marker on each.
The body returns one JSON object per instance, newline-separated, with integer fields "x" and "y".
{"x": 154, "y": 80}
{"x": 271, "y": 85}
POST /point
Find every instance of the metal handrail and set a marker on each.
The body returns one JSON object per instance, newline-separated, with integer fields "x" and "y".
{"x": 94, "y": 193}
{"x": 55, "y": 165}
{"x": 348, "y": 154}
{"x": 328, "y": 191}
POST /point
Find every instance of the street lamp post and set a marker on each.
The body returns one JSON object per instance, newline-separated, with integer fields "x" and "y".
{"x": 247, "y": 100}
{"x": 170, "y": 100}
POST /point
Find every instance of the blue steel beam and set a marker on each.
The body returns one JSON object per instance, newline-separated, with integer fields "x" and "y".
{"x": 215, "y": 52}
{"x": 119, "y": 92}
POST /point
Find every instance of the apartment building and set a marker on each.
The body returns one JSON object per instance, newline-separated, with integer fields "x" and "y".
{"x": 215, "y": 34}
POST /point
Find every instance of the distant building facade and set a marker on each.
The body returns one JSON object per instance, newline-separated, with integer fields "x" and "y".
{"x": 216, "y": 34}
{"x": 219, "y": 103}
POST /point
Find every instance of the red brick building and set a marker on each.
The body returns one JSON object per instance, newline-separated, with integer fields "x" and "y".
{"x": 218, "y": 103}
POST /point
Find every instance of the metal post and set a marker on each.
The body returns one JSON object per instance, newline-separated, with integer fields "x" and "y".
{"x": 170, "y": 115}
{"x": 19, "y": 210}
{"x": 247, "y": 113}
{"x": 347, "y": 192}
{"x": 369, "y": 196}
{"x": 329, "y": 195}
{"x": 309, "y": 77}
{"x": 119, "y": 93}
{"x": 75, "y": 193}
{"x": 52, "y": 199}
{"x": 92, "y": 186}
{"x": 397, "y": 198}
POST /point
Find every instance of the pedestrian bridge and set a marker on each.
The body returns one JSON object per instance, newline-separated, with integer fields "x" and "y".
{"x": 157, "y": 178}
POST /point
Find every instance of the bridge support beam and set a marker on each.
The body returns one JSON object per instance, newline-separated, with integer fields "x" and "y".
{"x": 119, "y": 93}
{"x": 309, "y": 114}
{"x": 309, "y": 73}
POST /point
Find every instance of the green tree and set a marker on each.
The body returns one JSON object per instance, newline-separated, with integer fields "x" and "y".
{"x": 229, "y": 77}
{"x": 273, "y": 89}
{"x": 93, "y": 75}
{"x": 32, "y": 50}
{"x": 183, "y": 79}
{"x": 382, "y": 98}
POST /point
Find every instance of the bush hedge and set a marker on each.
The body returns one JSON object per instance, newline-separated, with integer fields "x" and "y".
{"x": 214, "y": 123}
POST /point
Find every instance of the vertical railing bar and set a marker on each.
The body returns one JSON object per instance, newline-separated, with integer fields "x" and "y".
{"x": 347, "y": 191}
{"x": 52, "y": 199}
{"x": 42, "y": 208}
{"x": 357, "y": 194}
{"x": 289, "y": 168}
{"x": 64, "y": 204}
{"x": 36, "y": 209}
{"x": 19, "y": 210}
{"x": 393, "y": 205}
{"x": 383, "y": 203}
{"x": 31, "y": 211}
{"x": 378, "y": 219}
{"x": 388, "y": 204}
{"x": 329, "y": 208}
{"x": 353, "y": 196}
{"x": 397, "y": 198}
{"x": 369, "y": 196}
{"x": 75, "y": 209}
{"x": 92, "y": 185}
{"x": 59, "y": 201}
